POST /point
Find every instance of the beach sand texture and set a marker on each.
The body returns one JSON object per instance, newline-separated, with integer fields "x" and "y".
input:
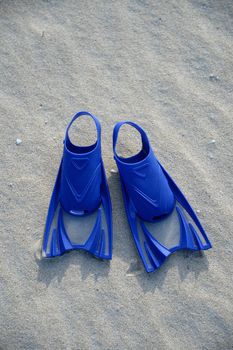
{"x": 166, "y": 65}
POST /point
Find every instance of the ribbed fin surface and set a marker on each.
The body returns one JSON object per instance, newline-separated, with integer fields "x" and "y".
{"x": 93, "y": 241}
{"x": 64, "y": 240}
{"x": 157, "y": 253}
{"x": 197, "y": 240}
{"x": 53, "y": 244}
{"x": 186, "y": 237}
{"x": 102, "y": 244}
{"x": 60, "y": 242}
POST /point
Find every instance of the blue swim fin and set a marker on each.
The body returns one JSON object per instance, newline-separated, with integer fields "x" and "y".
{"x": 80, "y": 190}
{"x": 151, "y": 199}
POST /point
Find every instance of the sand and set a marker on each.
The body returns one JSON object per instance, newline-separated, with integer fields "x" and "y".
{"x": 168, "y": 66}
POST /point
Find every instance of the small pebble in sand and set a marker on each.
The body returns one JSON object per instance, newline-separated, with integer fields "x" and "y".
{"x": 46, "y": 121}
{"x": 18, "y": 142}
{"x": 114, "y": 171}
{"x": 213, "y": 77}
{"x": 54, "y": 138}
{"x": 198, "y": 211}
{"x": 10, "y": 184}
{"x": 213, "y": 141}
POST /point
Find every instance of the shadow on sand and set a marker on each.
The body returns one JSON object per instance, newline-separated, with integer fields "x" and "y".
{"x": 55, "y": 268}
{"x": 187, "y": 262}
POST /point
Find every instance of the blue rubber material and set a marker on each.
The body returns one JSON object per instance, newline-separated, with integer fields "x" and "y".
{"x": 80, "y": 189}
{"x": 150, "y": 195}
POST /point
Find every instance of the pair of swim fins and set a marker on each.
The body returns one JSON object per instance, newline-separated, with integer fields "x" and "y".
{"x": 160, "y": 217}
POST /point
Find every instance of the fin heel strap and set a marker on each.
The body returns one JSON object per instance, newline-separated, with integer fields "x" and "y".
{"x": 116, "y": 130}
{"x": 76, "y": 116}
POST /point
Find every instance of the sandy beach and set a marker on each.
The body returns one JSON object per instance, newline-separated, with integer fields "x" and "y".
{"x": 166, "y": 65}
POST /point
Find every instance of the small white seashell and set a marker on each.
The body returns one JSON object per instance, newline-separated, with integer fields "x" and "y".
{"x": 212, "y": 142}
{"x": 18, "y": 142}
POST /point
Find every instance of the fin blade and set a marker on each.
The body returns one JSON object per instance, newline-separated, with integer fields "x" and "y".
{"x": 107, "y": 208}
{"x": 54, "y": 251}
{"x": 54, "y": 201}
{"x": 186, "y": 205}
{"x": 197, "y": 239}
{"x": 102, "y": 244}
{"x": 154, "y": 261}
{"x": 93, "y": 240}
{"x": 186, "y": 237}
{"x": 157, "y": 253}
{"x": 64, "y": 241}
